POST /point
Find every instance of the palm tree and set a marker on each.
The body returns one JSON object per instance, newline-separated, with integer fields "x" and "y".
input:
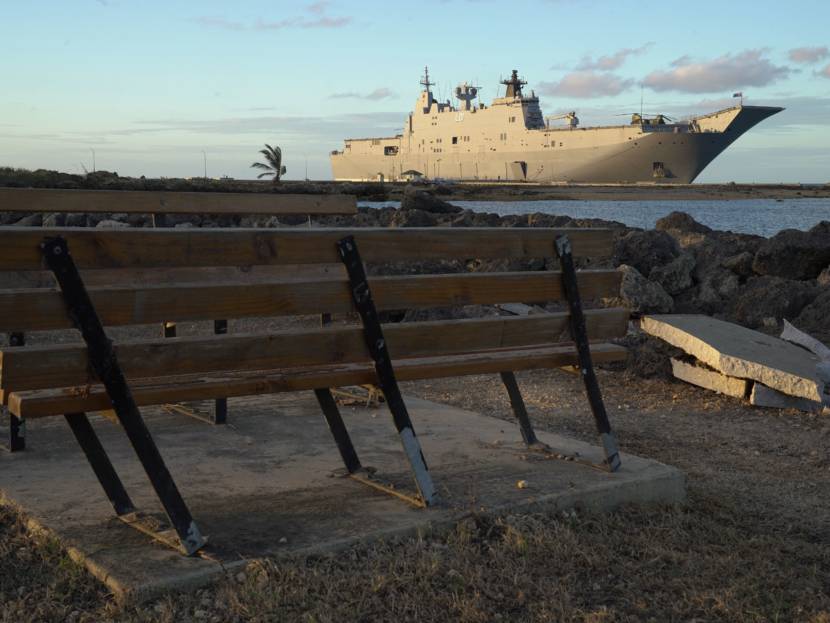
{"x": 273, "y": 163}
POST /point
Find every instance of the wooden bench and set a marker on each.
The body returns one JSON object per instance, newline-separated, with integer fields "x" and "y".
{"x": 161, "y": 204}
{"x": 74, "y": 379}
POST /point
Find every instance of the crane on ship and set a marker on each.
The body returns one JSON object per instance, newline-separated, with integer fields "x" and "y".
{"x": 573, "y": 120}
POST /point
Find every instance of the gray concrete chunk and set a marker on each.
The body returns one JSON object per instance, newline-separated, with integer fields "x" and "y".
{"x": 742, "y": 353}
{"x": 763, "y": 396}
{"x": 709, "y": 379}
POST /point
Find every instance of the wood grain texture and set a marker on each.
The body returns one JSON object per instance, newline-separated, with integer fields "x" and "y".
{"x": 39, "y": 367}
{"x": 42, "y": 403}
{"x": 40, "y": 309}
{"x": 159, "y": 202}
{"x": 149, "y": 248}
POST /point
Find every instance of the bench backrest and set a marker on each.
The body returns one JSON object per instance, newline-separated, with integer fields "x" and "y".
{"x": 165, "y": 250}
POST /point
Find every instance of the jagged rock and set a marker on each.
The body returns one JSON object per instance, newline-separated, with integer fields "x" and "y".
{"x": 596, "y": 222}
{"x": 740, "y": 264}
{"x": 675, "y": 276}
{"x": 716, "y": 290}
{"x": 823, "y": 278}
{"x": 7, "y": 218}
{"x": 538, "y": 219}
{"x": 514, "y": 220}
{"x": 644, "y": 250}
{"x": 413, "y": 218}
{"x": 76, "y": 220}
{"x": 641, "y": 295}
{"x": 795, "y": 254}
{"x": 56, "y": 219}
{"x": 486, "y": 219}
{"x": 681, "y": 222}
{"x": 465, "y": 219}
{"x": 815, "y": 317}
{"x": 32, "y": 220}
{"x": 451, "y": 313}
{"x": 420, "y": 199}
{"x": 771, "y": 297}
{"x": 649, "y": 357}
{"x": 110, "y": 224}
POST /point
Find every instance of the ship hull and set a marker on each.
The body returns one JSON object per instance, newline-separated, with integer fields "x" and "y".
{"x": 617, "y": 154}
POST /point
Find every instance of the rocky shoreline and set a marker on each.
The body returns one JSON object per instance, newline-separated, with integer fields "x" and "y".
{"x": 681, "y": 266}
{"x": 395, "y": 191}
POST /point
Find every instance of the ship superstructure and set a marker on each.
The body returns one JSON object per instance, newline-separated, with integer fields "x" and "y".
{"x": 511, "y": 140}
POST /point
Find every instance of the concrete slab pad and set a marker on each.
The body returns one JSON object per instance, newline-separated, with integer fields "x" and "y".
{"x": 742, "y": 353}
{"x": 264, "y": 486}
{"x": 709, "y": 379}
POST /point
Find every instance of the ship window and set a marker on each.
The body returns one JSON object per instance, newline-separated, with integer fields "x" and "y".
{"x": 455, "y": 140}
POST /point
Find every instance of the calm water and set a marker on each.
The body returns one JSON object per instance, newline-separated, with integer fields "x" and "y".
{"x": 752, "y": 216}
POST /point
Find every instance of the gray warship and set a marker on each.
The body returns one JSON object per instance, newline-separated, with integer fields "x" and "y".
{"x": 511, "y": 140}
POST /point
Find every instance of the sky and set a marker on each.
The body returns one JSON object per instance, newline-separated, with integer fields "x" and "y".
{"x": 164, "y": 88}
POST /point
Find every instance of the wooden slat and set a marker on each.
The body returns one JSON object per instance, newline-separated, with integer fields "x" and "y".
{"x": 41, "y": 403}
{"x": 39, "y": 309}
{"x": 159, "y": 202}
{"x": 22, "y": 279}
{"x": 147, "y": 248}
{"x": 39, "y": 367}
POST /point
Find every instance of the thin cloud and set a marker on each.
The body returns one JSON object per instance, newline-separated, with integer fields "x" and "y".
{"x": 376, "y": 95}
{"x": 612, "y": 61}
{"x": 300, "y": 22}
{"x": 587, "y": 84}
{"x": 218, "y": 22}
{"x": 808, "y": 55}
{"x": 317, "y": 9}
{"x": 746, "y": 69}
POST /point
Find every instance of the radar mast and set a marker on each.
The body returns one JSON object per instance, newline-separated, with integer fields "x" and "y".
{"x": 514, "y": 85}
{"x": 425, "y": 82}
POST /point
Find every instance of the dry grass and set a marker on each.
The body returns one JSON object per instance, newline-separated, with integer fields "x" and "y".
{"x": 753, "y": 544}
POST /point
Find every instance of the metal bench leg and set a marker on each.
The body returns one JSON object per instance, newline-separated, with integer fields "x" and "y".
{"x": 220, "y": 405}
{"x": 586, "y": 367}
{"x": 105, "y": 364}
{"x": 376, "y": 345}
{"x": 17, "y": 426}
{"x": 100, "y": 463}
{"x": 338, "y": 430}
{"x": 519, "y": 409}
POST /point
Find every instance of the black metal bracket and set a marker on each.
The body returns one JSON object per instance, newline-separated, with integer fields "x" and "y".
{"x": 579, "y": 333}
{"x": 105, "y": 365}
{"x": 17, "y": 426}
{"x": 376, "y": 344}
{"x": 220, "y": 405}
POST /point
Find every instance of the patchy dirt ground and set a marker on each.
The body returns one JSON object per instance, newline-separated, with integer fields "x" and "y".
{"x": 752, "y": 544}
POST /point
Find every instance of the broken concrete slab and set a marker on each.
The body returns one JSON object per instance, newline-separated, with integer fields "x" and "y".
{"x": 264, "y": 485}
{"x": 796, "y": 336}
{"x": 708, "y": 378}
{"x": 763, "y": 396}
{"x": 742, "y": 353}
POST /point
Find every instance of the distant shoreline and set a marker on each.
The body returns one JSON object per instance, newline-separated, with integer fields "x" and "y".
{"x": 393, "y": 191}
